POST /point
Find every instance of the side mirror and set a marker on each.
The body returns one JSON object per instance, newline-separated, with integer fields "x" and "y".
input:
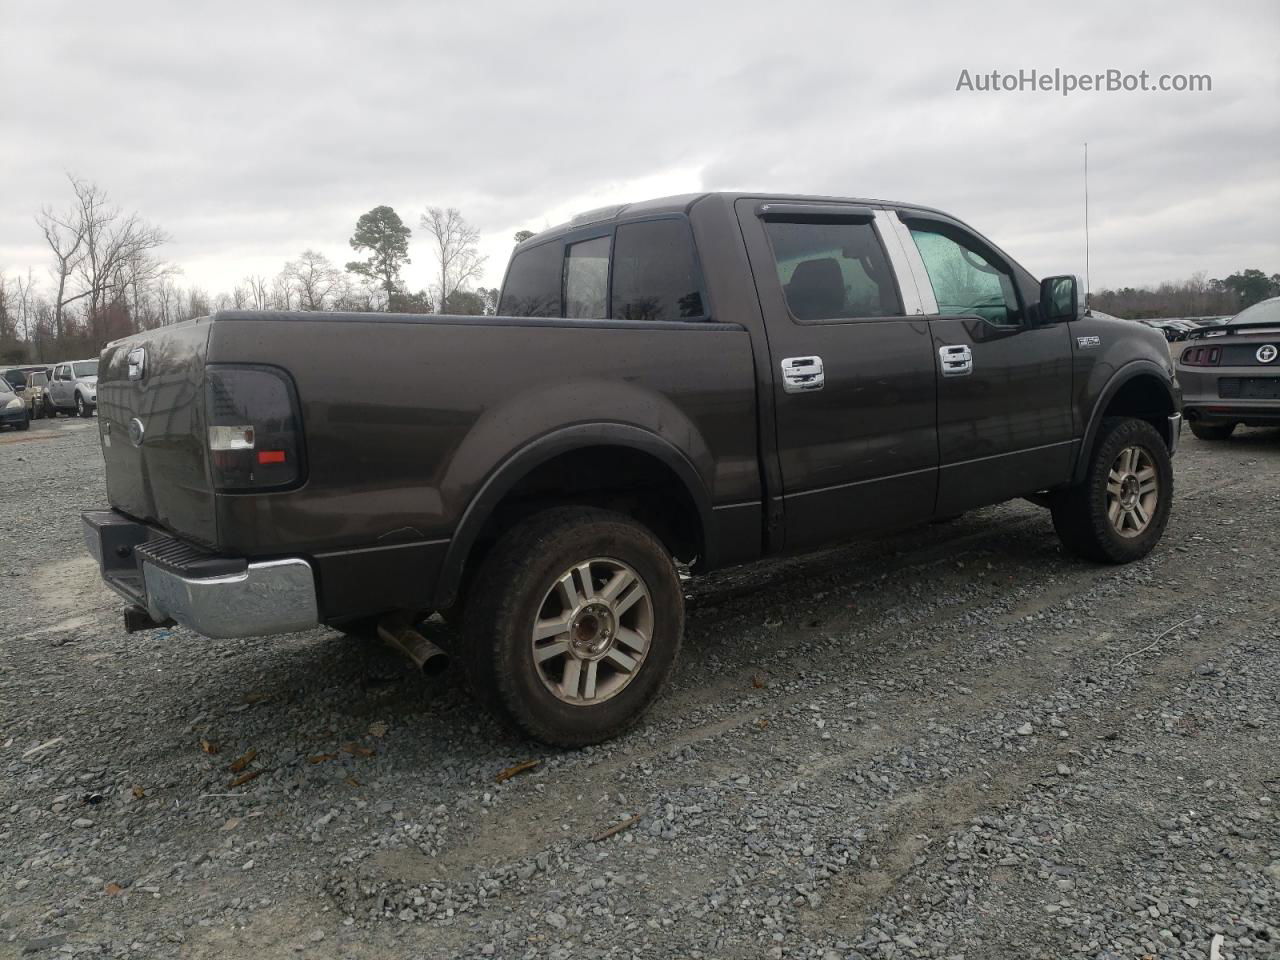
{"x": 1060, "y": 299}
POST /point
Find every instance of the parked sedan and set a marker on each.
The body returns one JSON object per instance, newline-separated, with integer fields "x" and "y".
{"x": 13, "y": 409}
{"x": 1231, "y": 374}
{"x": 74, "y": 386}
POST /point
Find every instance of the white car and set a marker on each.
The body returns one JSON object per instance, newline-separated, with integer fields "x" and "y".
{"x": 74, "y": 386}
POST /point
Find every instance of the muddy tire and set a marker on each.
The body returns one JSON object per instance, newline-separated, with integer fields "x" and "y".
{"x": 1212, "y": 431}
{"x": 1119, "y": 512}
{"x": 573, "y": 625}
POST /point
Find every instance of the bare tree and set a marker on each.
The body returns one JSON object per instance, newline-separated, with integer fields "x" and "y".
{"x": 64, "y": 234}
{"x": 117, "y": 249}
{"x": 457, "y": 250}
{"x": 315, "y": 281}
{"x": 259, "y": 294}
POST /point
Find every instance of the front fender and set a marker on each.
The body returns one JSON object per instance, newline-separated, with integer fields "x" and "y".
{"x": 1141, "y": 367}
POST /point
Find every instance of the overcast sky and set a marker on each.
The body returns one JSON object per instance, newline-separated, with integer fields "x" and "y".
{"x": 253, "y": 131}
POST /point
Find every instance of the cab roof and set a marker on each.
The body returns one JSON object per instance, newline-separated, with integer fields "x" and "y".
{"x": 684, "y": 202}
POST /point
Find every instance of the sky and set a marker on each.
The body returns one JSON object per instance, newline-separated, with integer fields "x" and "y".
{"x": 250, "y": 132}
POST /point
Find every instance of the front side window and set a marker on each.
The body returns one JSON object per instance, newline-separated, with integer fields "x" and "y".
{"x": 965, "y": 281}
{"x": 655, "y": 276}
{"x": 833, "y": 271}
{"x": 586, "y": 279}
{"x": 532, "y": 288}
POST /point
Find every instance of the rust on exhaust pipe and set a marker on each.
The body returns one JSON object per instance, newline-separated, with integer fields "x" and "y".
{"x": 400, "y": 636}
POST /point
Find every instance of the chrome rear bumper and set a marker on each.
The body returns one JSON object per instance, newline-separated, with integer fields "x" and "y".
{"x": 254, "y": 599}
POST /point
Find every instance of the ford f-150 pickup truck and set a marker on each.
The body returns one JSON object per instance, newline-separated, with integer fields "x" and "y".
{"x": 701, "y": 380}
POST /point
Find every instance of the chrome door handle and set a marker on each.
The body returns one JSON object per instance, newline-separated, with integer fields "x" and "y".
{"x": 957, "y": 361}
{"x": 802, "y": 374}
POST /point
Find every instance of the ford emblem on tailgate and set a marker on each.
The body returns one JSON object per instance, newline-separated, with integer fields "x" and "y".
{"x": 137, "y": 363}
{"x": 136, "y": 432}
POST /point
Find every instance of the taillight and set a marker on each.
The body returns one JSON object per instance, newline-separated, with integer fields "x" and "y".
{"x": 255, "y": 435}
{"x": 1201, "y": 356}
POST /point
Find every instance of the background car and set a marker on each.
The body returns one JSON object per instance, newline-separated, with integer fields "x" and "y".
{"x": 1230, "y": 374}
{"x": 30, "y": 383}
{"x": 13, "y": 409}
{"x": 74, "y": 386}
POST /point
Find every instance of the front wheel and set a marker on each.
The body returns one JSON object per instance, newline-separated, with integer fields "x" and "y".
{"x": 1119, "y": 512}
{"x": 573, "y": 624}
{"x": 82, "y": 408}
{"x": 1212, "y": 431}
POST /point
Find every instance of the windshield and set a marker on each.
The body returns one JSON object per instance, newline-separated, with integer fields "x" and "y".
{"x": 1268, "y": 311}
{"x": 4, "y": 386}
{"x": 15, "y": 377}
{"x": 85, "y": 368}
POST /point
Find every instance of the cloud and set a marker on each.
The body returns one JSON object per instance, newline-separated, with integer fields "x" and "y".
{"x": 253, "y": 131}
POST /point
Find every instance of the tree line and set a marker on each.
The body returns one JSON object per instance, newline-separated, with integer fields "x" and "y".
{"x": 1194, "y": 297}
{"x": 107, "y": 277}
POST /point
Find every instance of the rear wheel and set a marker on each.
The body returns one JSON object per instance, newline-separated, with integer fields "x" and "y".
{"x": 1119, "y": 512}
{"x": 1212, "y": 431}
{"x": 573, "y": 624}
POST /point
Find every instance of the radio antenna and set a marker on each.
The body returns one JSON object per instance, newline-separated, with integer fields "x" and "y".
{"x": 1086, "y": 224}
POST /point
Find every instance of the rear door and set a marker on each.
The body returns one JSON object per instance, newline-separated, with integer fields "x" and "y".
{"x": 853, "y": 374}
{"x": 1004, "y": 383}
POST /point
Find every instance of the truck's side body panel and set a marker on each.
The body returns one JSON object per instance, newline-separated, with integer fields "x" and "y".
{"x": 395, "y": 460}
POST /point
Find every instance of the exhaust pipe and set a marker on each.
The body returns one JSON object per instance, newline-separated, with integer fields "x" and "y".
{"x": 409, "y": 643}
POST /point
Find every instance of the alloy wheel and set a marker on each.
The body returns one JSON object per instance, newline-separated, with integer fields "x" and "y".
{"x": 592, "y": 631}
{"x": 1133, "y": 491}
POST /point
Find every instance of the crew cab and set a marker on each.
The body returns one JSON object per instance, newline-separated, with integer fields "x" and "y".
{"x": 703, "y": 380}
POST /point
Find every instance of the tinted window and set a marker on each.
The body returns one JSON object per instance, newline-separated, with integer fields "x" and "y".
{"x": 965, "y": 282}
{"x": 15, "y": 377}
{"x": 654, "y": 275}
{"x": 833, "y": 270}
{"x": 586, "y": 279}
{"x": 533, "y": 283}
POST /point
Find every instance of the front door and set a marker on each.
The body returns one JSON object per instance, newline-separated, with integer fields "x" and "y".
{"x": 1004, "y": 383}
{"x": 854, "y": 388}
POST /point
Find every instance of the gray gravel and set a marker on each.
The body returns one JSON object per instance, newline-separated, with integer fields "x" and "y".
{"x": 952, "y": 743}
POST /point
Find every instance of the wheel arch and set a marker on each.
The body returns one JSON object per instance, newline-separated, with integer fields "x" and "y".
{"x": 506, "y": 485}
{"x": 1140, "y": 389}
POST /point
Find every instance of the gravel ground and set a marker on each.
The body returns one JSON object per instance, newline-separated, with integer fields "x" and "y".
{"x": 956, "y": 742}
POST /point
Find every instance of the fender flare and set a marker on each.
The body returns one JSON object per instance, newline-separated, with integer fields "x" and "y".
{"x": 1130, "y": 371}
{"x": 503, "y": 478}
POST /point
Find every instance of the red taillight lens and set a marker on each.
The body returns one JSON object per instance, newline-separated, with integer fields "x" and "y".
{"x": 255, "y": 435}
{"x": 1201, "y": 356}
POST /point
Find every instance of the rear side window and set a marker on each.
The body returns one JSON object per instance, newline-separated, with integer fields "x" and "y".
{"x": 654, "y": 273}
{"x": 833, "y": 271}
{"x": 532, "y": 288}
{"x": 586, "y": 279}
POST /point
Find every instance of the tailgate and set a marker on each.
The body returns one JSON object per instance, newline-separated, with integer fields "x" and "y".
{"x": 152, "y": 429}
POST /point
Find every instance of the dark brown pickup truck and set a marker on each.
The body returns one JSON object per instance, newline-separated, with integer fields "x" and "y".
{"x": 704, "y": 379}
